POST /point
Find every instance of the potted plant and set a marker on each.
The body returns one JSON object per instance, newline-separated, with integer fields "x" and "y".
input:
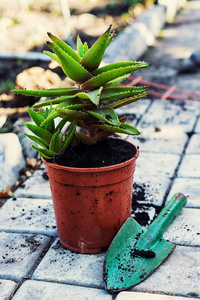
{"x": 91, "y": 199}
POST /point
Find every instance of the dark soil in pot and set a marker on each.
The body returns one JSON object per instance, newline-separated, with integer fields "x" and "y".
{"x": 105, "y": 153}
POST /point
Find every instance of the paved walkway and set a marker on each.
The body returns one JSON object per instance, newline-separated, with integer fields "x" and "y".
{"x": 35, "y": 266}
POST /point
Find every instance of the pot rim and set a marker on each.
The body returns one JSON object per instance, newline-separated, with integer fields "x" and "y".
{"x": 95, "y": 169}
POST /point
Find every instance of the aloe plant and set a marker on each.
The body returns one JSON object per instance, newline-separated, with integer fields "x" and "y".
{"x": 90, "y": 104}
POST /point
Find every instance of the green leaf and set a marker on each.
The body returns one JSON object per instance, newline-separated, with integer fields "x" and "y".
{"x": 42, "y": 133}
{"x": 93, "y": 96}
{"x": 66, "y": 48}
{"x": 47, "y": 92}
{"x": 123, "y": 128}
{"x": 108, "y": 75}
{"x": 120, "y": 92}
{"x": 44, "y": 151}
{"x": 54, "y": 114}
{"x": 67, "y": 99}
{"x": 72, "y": 114}
{"x": 86, "y": 140}
{"x": 106, "y": 114}
{"x": 56, "y": 142}
{"x": 81, "y": 48}
{"x": 36, "y": 117}
{"x": 123, "y": 64}
{"x": 70, "y": 66}
{"x": 36, "y": 140}
{"x": 93, "y": 57}
{"x": 116, "y": 81}
{"x": 52, "y": 55}
{"x": 126, "y": 101}
{"x": 68, "y": 138}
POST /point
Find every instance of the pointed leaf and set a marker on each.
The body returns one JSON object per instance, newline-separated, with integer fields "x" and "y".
{"x": 105, "y": 114}
{"x": 56, "y": 142}
{"x": 123, "y": 64}
{"x": 107, "y": 76}
{"x": 126, "y": 101}
{"x": 120, "y": 92}
{"x": 42, "y": 133}
{"x": 85, "y": 48}
{"x": 86, "y": 140}
{"x": 81, "y": 48}
{"x": 52, "y": 55}
{"x": 68, "y": 100}
{"x": 116, "y": 81}
{"x": 94, "y": 55}
{"x": 36, "y": 140}
{"x": 70, "y": 66}
{"x": 93, "y": 96}
{"x": 66, "y": 48}
{"x": 68, "y": 138}
{"x": 71, "y": 114}
{"x": 44, "y": 151}
{"x": 123, "y": 128}
{"x": 36, "y": 117}
{"x": 47, "y": 92}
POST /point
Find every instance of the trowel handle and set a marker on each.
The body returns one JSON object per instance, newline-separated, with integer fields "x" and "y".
{"x": 167, "y": 215}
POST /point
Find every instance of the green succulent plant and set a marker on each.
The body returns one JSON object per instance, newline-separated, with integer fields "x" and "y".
{"x": 90, "y": 104}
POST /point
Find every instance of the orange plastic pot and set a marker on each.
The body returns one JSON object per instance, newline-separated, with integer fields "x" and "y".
{"x": 90, "y": 204}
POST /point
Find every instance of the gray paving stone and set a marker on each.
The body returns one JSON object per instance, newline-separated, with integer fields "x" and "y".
{"x": 153, "y": 189}
{"x": 35, "y": 187}
{"x": 28, "y": 216}
{"x": 190, "y": 187}
{"x": 145, "y": 296}
{"x": 156, "y": 164}
{"x": 178, "y": 275}
{"x": 165, "y": 140}
{"x": 6, "y": 288}
{"x": 197, "y": 127}
{"x": 11, "y": 161}
{"x": 138, "y": 107}
{"x": 190, "y": 166}
{"x": 185, "y": 229}
{"x": 39, "y": 290}
{"x": 194, "y": 145}
{"x": 169, "y": 116}
{"x": 64, "y": 266}
{"x": 19, "y": 253}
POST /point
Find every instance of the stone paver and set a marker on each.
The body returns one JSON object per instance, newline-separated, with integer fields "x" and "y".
{"x": 165, "y": 115}
{"x": 190, "y": 187}
{"x": 161, "y": 141}
{"x": 190, "y": 166}
{"x": 61, "y": 265}
{"x": 150, "y": 189}
{"x": 35, "y": 187}
{"x": 139, "y": 107}
{"x": 19, "y": 253}
{"x": 40, "y": 290}
{"x": 178, "y": 275}
{"x": 6, "y": 288}
{"x": 145, "y": 296}
{"x": 194, "y": 145}
{"x": 28, "y": 216}
{"x": 197, "y": 128}
{"x": 185, "y": 229}
{"x": 154, "y": 164}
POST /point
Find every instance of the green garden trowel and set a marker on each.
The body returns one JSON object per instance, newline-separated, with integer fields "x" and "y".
{"x": 137, "y": 251}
